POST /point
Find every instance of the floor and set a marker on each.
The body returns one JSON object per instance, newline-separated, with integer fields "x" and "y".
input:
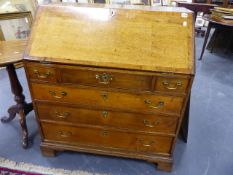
{"x": 209, "y": 150}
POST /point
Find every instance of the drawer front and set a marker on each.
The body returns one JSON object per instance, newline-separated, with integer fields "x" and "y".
{"x": 106, "y": 138}
{"x": 138, "y": 122}
{"x": 104, "y": 99}
{"x": 172, "y": 84}
{"x": 41, "y": 73}
{"x": 106, "y": 79}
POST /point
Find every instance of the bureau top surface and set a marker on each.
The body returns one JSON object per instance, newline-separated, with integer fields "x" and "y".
{"x": 144, "y": 38}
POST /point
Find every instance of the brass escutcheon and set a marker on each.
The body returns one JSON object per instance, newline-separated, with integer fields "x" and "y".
{"x": 104, "y": 78}
{"x": 104, "y": 95}
{"x": 104, "y": 133}
{"x": 105, "y": 114}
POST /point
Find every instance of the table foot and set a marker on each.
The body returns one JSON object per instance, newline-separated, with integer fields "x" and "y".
{"x": 13, "y": 110}
{"x": 22, "y": 111}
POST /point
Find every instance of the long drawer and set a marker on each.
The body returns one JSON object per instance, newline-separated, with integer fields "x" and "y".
{"x": 118, "y": 100}
{"x": 124, "y": 120}
{"x": 108, "y": 78}
{"x": 106, "y": 138}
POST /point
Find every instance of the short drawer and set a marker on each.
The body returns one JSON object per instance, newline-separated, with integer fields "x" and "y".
{"x": 107, "y": 138}
{"x": 105, "y": 99}
{"x": 106, "y": 79}
{"x": 172, "y": 84}
{"x": 42, "y": 73}
{"x": 122, "y": 120}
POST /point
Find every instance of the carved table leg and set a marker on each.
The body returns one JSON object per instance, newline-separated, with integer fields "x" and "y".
{"x": 12, "y": 113}
{"x": 22, "y": 108}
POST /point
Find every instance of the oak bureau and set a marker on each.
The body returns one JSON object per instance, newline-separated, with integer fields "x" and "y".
{"x": 111, "y": 80}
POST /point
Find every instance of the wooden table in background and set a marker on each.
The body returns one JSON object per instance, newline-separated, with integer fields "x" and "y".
{"x": 11, "y": 52}
{"x": 218, "y": 25}
{"x": 197, "y": 7}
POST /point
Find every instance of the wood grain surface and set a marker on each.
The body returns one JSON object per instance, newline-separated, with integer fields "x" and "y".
{"x": 161, "y": 124}
{"x": 112, "y": 80}
{"x": 11, "y": 51}
{"x": 139, "y": 38}
{"x": 107, "y": 99}
{"x": 107, "y": 138}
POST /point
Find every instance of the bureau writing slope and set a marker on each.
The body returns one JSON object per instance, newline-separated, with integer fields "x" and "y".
{"x": 111, "y": 80}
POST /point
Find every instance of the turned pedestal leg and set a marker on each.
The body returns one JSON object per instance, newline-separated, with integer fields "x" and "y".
{"x": 22, "y": 108}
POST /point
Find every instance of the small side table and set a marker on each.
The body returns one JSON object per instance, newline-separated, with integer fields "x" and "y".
{"x": 12, "y": 52}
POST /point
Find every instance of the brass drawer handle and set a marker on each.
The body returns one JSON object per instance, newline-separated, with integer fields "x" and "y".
{"x": 104, "y": 78}
{"x": 65, "y": 134}
{"x": 54, "y": 94}
{"x": 62, "y": 116}
{"x": 152, "y": 124}
{"x": 146, "y": 143}
{"x": 37, "y": 73}
{"x": 104, "y": 133}
{"x": 172, "y": 86}
{"x": 105, "y": 114}
{"x": 104, "y": 95}
{"x": 155, "y": 106}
